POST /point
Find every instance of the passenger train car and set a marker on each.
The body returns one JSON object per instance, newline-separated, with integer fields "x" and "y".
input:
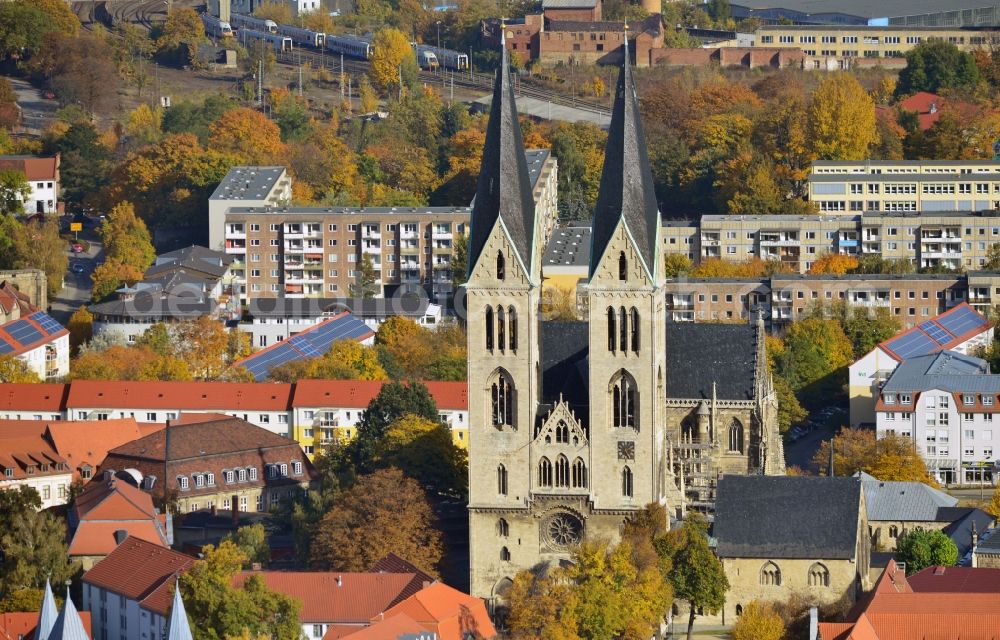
{"x": 305, "y": 37}
{"x": 352, "y": 46}
{"x": 249, "y": 37}
{"x": 241, "y": 21}
{"x": 215, "y": 27}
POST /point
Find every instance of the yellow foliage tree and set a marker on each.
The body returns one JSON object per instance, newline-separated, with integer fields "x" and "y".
{"x": 60, "y": 14}
{"x": 110, "y": 275}
{"x": 144, "y": 124}
{"x": 993, "y": 508}
{"x": 248, "y": 134}
{"x": 183, "y": 25}
{"x": 126, "y": 238}
{"x": 280, "y": 12}
{"x": 890, "y": 458}
{"x": 368, "y": 96}
{"x": 14, "y": 370}
{"x": 884, "y": 89}
{"x": 841, "y": 119}
{"x": 835, "y": 263}
{"x": 759, "y": 622}
{"x": 408, "y": 344}
{"x": 392, "y": 51}
{"x": 80, "y": 327}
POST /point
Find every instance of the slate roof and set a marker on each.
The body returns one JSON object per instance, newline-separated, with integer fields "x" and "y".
{"x": 409, "y": 305}
{"x": 903, "y": 501}
{"x": 504, "y": 190}
{"x": 194, "y": 258}
{"x": 787, "y": 517}
{"x": 962, "y": 520}
{"x": 699, "y": 354}
{"x": 201, "y": 439}
{"x": 626, "y": 189}
{"x": 947, "y": 371}
{"x": 564, "y": 348}
{"x": 568, "y": 247}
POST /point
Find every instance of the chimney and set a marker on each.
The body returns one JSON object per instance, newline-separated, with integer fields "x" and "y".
{"x": 255, "y": 566}
{"x": 120, "y": 535}
{"x": 340, "y": 581}
{"x": 109, "y": 474}
{"x": 813, "y": 623}
{"x": 975, "y": 537}
{"x": 236, "y": 509}
{"x": 215, "y": 510}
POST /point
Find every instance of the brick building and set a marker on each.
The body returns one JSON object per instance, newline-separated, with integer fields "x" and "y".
{"x": 749, "y": 57}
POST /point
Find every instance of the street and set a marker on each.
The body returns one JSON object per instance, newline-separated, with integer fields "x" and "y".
{"x": 36, "y": 112}
{"x": 76, "y": 286}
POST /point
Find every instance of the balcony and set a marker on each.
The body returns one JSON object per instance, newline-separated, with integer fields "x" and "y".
{"x": 293, "y": 230}
{"x": 441, "y": 234}
{"x": 680, "y": 301}
{"x": 236, "y": 246}
{"x": 868, "y": 299}
{"x": 313, "y": 231}
{"x": 409, "y": 234}
{"x": 778, "y": 240}
{"x": 414, "y": 250}
{"x": 710, "y": 240}
{"x": 235, "y": 232}
{"x": 371, "y": 233}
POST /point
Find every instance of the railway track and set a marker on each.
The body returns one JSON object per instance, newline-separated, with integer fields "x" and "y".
{"x": 111, "y": 12}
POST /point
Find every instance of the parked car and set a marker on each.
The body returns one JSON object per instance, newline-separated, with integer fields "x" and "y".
{"x": 78, "y": 268}
{"x": 77, "y": 247}
{"x": 48, "y": 95}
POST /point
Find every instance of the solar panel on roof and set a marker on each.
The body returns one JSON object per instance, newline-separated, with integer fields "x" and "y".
{"x": 24, "y": 332}
{"x": 49, "y": 324}
{"x": 4, "y": 347}
{"x": 938, "y": 334}
{"x": 301, "y": 343}
{"x": 961, "y": 321}
{"x": 912, "y": 344}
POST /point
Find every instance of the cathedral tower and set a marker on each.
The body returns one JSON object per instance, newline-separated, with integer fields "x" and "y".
{"x": 626, "y": 327}
{"x": 502, "y": 301}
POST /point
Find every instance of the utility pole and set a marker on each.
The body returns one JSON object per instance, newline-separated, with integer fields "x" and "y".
{"x": 260, "y": 82}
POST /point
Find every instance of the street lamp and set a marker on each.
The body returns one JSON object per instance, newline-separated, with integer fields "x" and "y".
{"x": 438, "y": 23}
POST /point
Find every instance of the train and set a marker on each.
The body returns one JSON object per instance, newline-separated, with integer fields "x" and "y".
{"x": 425, "y": 57}
{"x": 242, "y": 21}
{"x": 301, "y": 36}
{"x": 276, "y": 41}
{"x": 353, "y": 46}
{"x": 215, "y": 27}
{"x": 447, "y": 58}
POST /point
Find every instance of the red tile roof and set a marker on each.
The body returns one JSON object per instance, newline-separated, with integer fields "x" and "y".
{"x": 358, "y": 393}
{"x": 25, "y": 451}
{"x": 105, "y": 507}
{"x": 193, "y": 396}
{"x": 48, "y": 397}
{"x": 18, "y": 624}
{"x": 87, "y": 442}
{"x": 956, "y": 580}
{"x": 985, "y": 325}
{"x": 446, "y": 611}
{"x": 34, "y": 169}
{"x": 357, "y": 598}
{"x": 200, "y": 439}
{"x": 398, "y": 626}
{"x": 141, "y": 571}
{"x": 98, "y": 538}
{"x": 11, "y": 298}
{"x": 44, "y": 336}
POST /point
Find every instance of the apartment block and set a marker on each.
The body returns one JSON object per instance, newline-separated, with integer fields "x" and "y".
{"x": 314, "y": 252}
{"x": 905, "y": 186}
{"x": 794, "y": 240}
{"x": 831, "y": 47}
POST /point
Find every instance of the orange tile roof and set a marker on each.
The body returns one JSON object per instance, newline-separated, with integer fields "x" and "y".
{"x": 887, "y": 344}
{"x": 398, "y": 626}
{"x": 141, "y": 571}
{"x": 49, "y": 397}
{"x": 24, "y": 450}
{"x": 87, "y": 442}
{"x": 956, "y": 579}
{"x": 357, "y": 598}
{"x": 11, "y": 298}
{"x": 358, "y": 393}
{"x": 200, "y": 439}
{"x": 103, "y": 508}
{"x": 98, "y": 538}
{"x": 447, "y": 611}
{"x": 34, "y": 169}
{"x": 193, "y": 396}
{"x": 20, "y": 624}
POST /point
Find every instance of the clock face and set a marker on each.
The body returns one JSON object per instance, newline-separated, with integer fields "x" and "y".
{"x": 626, "y": 450}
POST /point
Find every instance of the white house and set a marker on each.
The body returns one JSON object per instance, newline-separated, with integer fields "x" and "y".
{"x": 961, "y": 329}
{"x": 42, "y": 174}
{"x": 27, "y": 459}
{"x": 38, "y": 341}
{"x": 947, "y": 404}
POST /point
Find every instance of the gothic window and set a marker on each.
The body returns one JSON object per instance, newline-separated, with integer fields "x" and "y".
{"x": 893, "y": 531}
{"x": 562, "y": 432}
{"x": 503, "y": 529}
{"x": 489, "y": 328}
{"x": 502, "y": 400}
{"x": 612, "y": 335}
{"x": 736, "y": 436}
{"x": 545, "y": 473}
{"x": 622, "y": 267}
{"x": 501, "y": 266}
{"x": 504, "y": 554}
{"x": 770, "y": 575}
{"x": 688, "y": 430}
{"x": 624, "y": 400}
{"x": 627, "y": 482}
{"x": 635, "y": 330}
{"x": 819, "y": 576}
{"x": 562, "y": 471}
{"x": 622, "y": 330}
{"x": 579, "y": 474}
{"x": 501, "y": 329}
{"x": 502, "y": 480}
{"x": 512, "y": 323}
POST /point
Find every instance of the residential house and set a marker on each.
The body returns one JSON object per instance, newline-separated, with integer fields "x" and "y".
{"x": 961, "y": 329}
{"x": 108, "y": 511}
{"x": 779, "y": 536}
{"x": 986, "y": 551}
{"x": 128, "y": 592}
{"x": 42, "y": 174}
{"x": 28, "y": 459}
{"x": 228, "y": 463}
{"x": 437, "y": 609}
{"x": 38, "y": 341}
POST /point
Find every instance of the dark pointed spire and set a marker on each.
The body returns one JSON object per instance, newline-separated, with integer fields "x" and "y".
{"x": 504, "y": 189}
{"x": 626, "y": 190}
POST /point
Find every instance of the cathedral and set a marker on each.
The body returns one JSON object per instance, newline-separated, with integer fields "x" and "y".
{"x": 575, "y": 426}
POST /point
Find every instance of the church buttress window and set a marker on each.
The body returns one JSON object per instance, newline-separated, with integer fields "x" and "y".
{"x": 579, "y": 474}
{"x": 736, "y": 436}
{"x": 502, "y": 400}
{"x": 503, "y": 529}
{"x": 627, "y": 482}
{"x": 622, "y": 267}
{"x": 623, "y": 401}
{"x": 501, "y": 329}
{"x": 562, "y": 432}
{"x": 512, "y": 322}
{"x": 502, "y": 480}
{"x": 622, "y": 330}
{"x": 612, "y": 334}
{"x": 544, "y": 473}
{"x": 770, "y": 575}
{"x": 562, "y": 471}
{"x": 489, "y": 328}
{"x": 635, "y": 329}
{"x": 501, "y": 266}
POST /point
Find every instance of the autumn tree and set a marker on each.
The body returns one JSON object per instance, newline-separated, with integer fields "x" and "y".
{"x": 833, "y": 263}
{"x": 278, "y": 11}
{"x": 326, "y": 164}
{"x": 759, "y": 621}
{"x": 460, "y": 261}
{"x": 182, "y": 33}
{"x": 144, "y": 125}
{"x": 13, "y": 369}
{"x": 14, "y": 190}
{"x": 816, "y": 354}
{"x": 935, "y": 65}
{"x": 920, "y": 548}
{"x": 384, "y": 512}
{"x": 126, "y": 238}
{"x": 345, "y": 360}
{"x": 251, "y": 540}
{"x": 365, "y": 284}
{"x": 247, "y": 134}
{"x": 392, "y": 56}
{"x": 32, "y": 543}
{"x": 38, "y": 245}
{"x": 80, "y": 327}
{"x": 117, "y": 362}
{"x": 559, "y": 304}
{"x": 890, "y": 458}
{"x": 24, "y": 600}
{"x": 841, "y": 119}
{"x": 223, "y": 610}
{"x": 394, "y": 400}
{"x": 424, "y": 450}
{"x": 993, "y": 508}
{"x": 367, "y": 96}
{"x": 697, "y": 575}
{"x": 81, "y": 70}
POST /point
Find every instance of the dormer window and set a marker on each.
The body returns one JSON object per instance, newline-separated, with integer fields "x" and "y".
{"x": 253, "y": 472}
{"x": 622, "y": 267}
{"x": 297, "y": 468}
{"x": 968, "y": 399}
{"x": 904, "y": 398}
{"x": 987, "y": 401}
{"x": 8, "y": 472}
{"x": 889, "y": 398}
{"x": 183, "y": 482}
{"x": 501, "y": 266}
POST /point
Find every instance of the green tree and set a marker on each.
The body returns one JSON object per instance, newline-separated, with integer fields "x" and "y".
{"x": 14, "y": 190}
{"x": 182, "y": 33}
{"x": 39, "y": 246}
{"x": 393, "y": 401}
{"x": 936, "y": 65}
{"x": 424, "y": 450}
{"x": 841, "y": 119}
{"x": 32, "y": 543}
{"x": 223, "y": 610}
{"x": 697, "y": 575}
{"x": 992, "y": 258}
{"x": 816, "y": 354}
{"x": 383, "y": 512}
{"x": 759, "y": 622}
{"x": 920, "y": 548}
{"x": 866, "y": 328}
{"x": 790, "y": 410}
{"x": 126, "y": 238}
{"x": 86, "y": 163}
{"x": 460, "y": 261}
{"x": 252, "y": 543}
{"x": 24, "y": 600}
{"x": 365, "y": 285}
